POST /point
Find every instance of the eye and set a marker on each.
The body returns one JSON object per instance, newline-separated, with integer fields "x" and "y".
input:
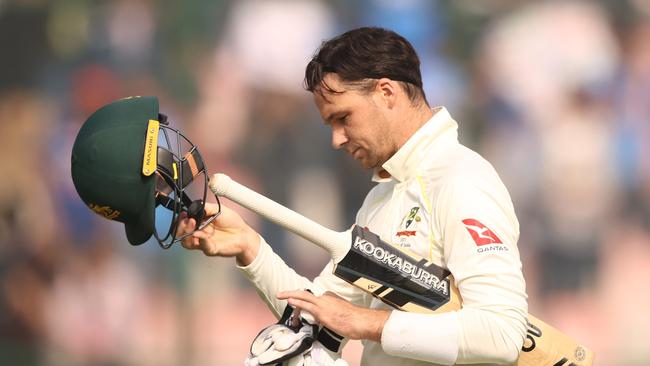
{"x": 344, "y": 118}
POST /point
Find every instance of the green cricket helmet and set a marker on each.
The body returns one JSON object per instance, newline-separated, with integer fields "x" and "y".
{"x": 128, "y": 165}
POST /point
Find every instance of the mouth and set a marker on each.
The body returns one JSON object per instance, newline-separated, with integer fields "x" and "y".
{"x": 356, "y": 153}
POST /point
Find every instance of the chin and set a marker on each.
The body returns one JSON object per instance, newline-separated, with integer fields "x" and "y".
{"x": 368, "y": 164}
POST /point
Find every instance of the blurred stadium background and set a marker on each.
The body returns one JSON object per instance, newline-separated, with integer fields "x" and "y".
{"x": 556, "y": 94}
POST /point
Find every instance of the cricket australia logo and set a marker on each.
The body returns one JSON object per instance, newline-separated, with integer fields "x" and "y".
{"x": 408, "y": 227}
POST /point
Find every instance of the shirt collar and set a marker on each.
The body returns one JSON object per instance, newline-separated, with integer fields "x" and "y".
{"x": 404, "y": 163}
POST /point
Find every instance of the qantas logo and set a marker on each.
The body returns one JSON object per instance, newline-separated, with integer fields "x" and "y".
{"x": 480, "y": 233}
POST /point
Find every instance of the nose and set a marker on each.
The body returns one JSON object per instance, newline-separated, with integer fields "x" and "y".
{"x": 339, "y": 137}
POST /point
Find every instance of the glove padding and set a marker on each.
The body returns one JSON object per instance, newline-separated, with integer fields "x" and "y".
{"x": 282, "y": 341}
{"x": 279, "y": 342}
{"x": 295, "y": 340}
{"x": 316, "y": 355}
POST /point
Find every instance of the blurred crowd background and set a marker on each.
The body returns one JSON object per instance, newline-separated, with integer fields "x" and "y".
{"x": 556, "y": 94}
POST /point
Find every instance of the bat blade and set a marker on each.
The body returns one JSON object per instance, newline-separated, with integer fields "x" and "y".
{"x": 373, "y": 265}
{"x": 545, "y": 345}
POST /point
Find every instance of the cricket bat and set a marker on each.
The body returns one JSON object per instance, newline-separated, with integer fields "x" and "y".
{"x": 402, "y": 280}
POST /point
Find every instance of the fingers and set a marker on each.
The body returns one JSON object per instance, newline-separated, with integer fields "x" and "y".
{"x": 227, "y": 235}
{"x": 306, "y": 296}
{"x": 186, "y": 225}
{"x": 307, "y": 306}
{"x": 189, "y": 225}
{"x": 297, "y": 294}
{"x": 200, "y": 240}
{"x": 211, "y": 241}
{"x": 304, "y": 300}
{"x": 331, "y": 294}
{"x": 211, "y": 209}
{"x": 203, "y": 234}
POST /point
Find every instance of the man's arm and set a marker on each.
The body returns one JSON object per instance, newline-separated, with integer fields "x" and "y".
{"x": 339, "y": 315}
{"x": 230, "y": 236}
{"x": 479, "y": 230}
{"x": 226, "y": 236}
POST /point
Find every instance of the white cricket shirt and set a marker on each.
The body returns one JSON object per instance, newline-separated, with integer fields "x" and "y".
{"x": 445, "y": 203}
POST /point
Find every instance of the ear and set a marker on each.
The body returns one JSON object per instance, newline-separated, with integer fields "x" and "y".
{"x": 388, "y": 91}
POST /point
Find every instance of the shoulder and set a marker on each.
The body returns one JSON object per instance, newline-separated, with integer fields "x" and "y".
{"x": 460, "y": 162}
{"x": 460, "y": 175}
{"x": 458, "y": 165}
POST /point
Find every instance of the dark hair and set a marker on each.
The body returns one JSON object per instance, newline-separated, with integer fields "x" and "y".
{"x": 361, "y": 56}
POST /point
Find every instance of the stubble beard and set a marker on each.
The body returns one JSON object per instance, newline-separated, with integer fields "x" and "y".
{"x": 384, "y": 148}
{"x": 376, "y": 160}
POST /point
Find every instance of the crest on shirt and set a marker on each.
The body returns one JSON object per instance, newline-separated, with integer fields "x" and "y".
{"x": 408, "y": 226}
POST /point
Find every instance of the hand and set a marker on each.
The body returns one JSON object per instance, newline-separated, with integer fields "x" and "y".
{"x": 226, "y": 236}
{"x": 339, "y": 315}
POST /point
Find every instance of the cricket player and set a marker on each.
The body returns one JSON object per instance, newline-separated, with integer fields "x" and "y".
{"x": 433, "y": 196}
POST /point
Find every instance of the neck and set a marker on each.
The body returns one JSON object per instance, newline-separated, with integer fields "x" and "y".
{"x": 411, "y": 119}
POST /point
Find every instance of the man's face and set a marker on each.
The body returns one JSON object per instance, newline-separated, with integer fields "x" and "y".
{"x": 358, "y": 121}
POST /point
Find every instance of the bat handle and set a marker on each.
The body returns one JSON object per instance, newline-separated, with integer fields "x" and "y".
{"x": 337, "y": 243}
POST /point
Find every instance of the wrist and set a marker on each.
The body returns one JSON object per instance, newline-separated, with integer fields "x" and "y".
{"x": 251, "y": 247}
{"x": 375, "y": 324}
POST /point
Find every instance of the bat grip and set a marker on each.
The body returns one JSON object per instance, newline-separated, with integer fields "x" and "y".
{"x": 336, "y": 243}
